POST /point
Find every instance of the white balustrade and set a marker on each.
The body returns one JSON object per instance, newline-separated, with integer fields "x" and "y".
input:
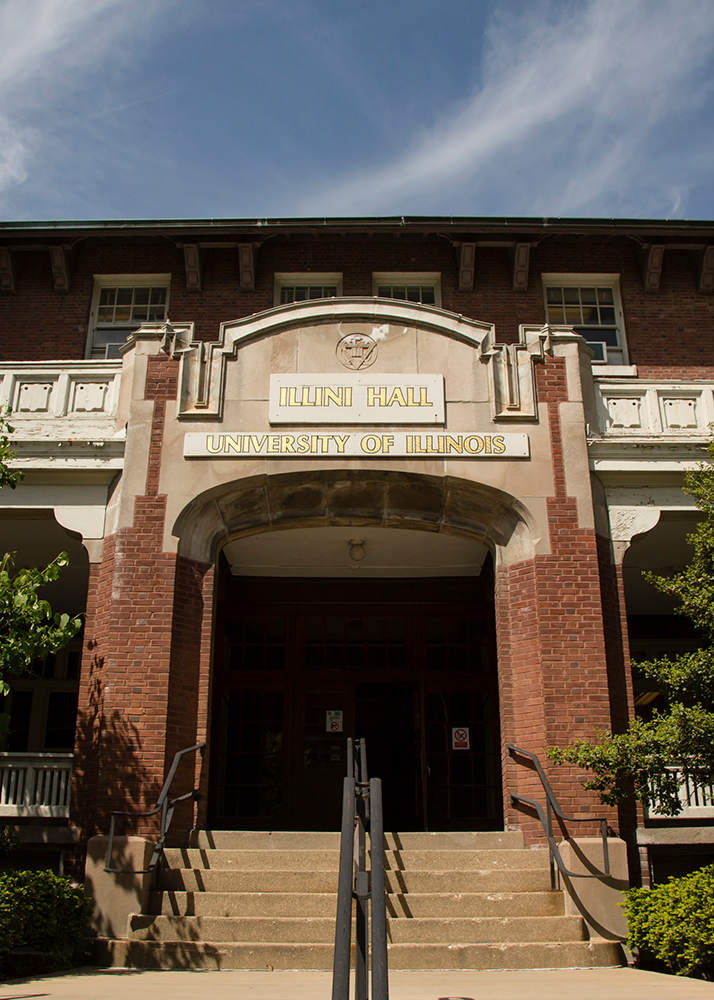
{"x": 69, "y": 390}
{"x": 641, "y": 408}
{"x": 35, "y": 784}
{"x": 697, "y": 801}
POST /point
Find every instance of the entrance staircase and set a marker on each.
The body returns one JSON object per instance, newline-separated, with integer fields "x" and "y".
{"x": 241, "y": 900}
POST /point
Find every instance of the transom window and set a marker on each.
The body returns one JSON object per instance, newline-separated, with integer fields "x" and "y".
{"x": 424, "y": 289}
{"x": 591, "y": 305}
{"x": 121, "y": 304}
{"x": 291, "y": 286}
{"x": 300, "y": 293}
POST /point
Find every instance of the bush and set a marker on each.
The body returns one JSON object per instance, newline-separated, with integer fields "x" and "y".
{"x": 42, "y": 910}
{"x": 675, "y": 922}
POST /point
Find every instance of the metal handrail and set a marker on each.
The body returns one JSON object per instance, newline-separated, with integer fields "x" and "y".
{"x": 165, "y": 806}
{"x": 361, "y": 811}
{"x": 546, "y": 819}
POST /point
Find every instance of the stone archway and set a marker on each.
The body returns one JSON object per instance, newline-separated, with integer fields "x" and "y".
{"x": 363, "y": 501}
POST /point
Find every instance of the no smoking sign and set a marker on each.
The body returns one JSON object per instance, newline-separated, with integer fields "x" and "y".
{"x": 460, "y": 738}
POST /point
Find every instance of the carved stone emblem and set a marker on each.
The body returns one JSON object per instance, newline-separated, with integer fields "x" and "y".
{"x": 357, "y": 350}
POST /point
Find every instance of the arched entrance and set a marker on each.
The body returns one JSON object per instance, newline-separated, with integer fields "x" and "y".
{"x": 377, "y": 623}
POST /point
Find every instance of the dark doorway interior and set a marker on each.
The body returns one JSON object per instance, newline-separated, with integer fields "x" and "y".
{"x": 301, "y": 665}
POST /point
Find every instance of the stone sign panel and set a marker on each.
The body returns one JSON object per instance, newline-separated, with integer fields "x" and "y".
{"x": 356, "y": 444}
{"x": 336, "y": 398}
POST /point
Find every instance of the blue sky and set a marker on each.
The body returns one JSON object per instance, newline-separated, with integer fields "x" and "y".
{"x": 249, "y": 108}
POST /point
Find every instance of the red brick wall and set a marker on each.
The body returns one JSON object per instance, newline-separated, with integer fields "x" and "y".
{"x": 553, "y": 660}
{"x": 668, "y": 332}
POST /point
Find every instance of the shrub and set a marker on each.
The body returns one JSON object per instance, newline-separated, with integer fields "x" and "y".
{"x": 41, "y": 909}
{"x": 675, "y": 921}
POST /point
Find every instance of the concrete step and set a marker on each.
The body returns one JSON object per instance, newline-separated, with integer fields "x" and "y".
{"x": 321, "y": 930}
{"x": 413, "y": 861}
{"x": 401, "y": 905}
{"x": 283, "y": 840}
{"x": 234, "y": 880}
{"x": 260, "y": 955}
{"x": 244, "y": 904}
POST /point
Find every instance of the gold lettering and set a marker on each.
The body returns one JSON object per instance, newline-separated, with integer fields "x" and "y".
{"x": 292, "y": 397}
{"x": 454, "y": 444}
{"x": 258, "y": 444}
{"x": 318, "y": 395}
{"x": 410, "y": 444}
{"x": 370, "y": 443}
{"x": 211, "y": 444}
{"x": 417, "y": 445}
{"x": 324, "y": 440}
{"x": 376, "y": 394}
{"x": 306, "y": 396}
{"x": 499, "y": 445}
{"x": 283, "y": 395}
{"x": 246, "y": 444}
{"x": 469, "y": 448}
{"x": 397, "y": 397}
{"x": 273, "y": 443}
{"x": 333, "y": 396}
{"x": 313, "y": 445}
{"x": 234, "y": 443}
{"x": 341, "y": 442}
{"x": 303, "y": 443}
{"x": 387, "y": 442}
{"x": 423, "y": 401}
{"x": 348, "y": 395}
{"x": 430, "y": 444}
{"x": 287, "y": 444}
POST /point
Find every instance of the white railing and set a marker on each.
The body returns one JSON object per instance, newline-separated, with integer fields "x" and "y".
{"x": 697, "y": 801}
{"x": 35, "y": 784}
{"x": 48, "y": 393}
{"x": 641, "y": 408}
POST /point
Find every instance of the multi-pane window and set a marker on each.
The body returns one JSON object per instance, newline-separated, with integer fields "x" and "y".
{"x": 293, "y": 286}
{"x": 426, "y": 294}
{"x": 421, "y": 288}
{"x": 300, "y": 293}
{"x": 594, "y": 311}
{"x": 120, "y": 306}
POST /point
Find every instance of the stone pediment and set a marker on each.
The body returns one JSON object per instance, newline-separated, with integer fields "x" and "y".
{"x": 348, "y": 335}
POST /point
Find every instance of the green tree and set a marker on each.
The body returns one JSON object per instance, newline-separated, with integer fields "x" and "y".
{"x": 683, "y": 735}
{"x": 28, "y": 628}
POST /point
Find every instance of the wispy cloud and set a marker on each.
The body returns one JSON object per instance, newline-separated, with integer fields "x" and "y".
{"x": 49, "y": 49}
{"x": 580, "y": 109}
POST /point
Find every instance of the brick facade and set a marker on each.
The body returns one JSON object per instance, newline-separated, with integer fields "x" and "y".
{"x": 147, "y": 679}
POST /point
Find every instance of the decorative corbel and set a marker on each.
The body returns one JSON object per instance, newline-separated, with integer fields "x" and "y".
{"x": 61, "y": 261}
{"x": 193, "y": 258}
{"x": 520, "y": 261}
{"x": 246, "y": 264}
{"x": 467, "y": 265}
{"x": 652, "y": 258}
{"x": 705, "y": 282}
{"x": 7, "y": 272}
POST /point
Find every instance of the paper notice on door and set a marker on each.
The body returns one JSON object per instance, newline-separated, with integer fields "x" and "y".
{"x": 334, "y": 720}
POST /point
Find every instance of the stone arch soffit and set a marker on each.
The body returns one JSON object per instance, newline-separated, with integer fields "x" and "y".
{"x": 334, "y": 497}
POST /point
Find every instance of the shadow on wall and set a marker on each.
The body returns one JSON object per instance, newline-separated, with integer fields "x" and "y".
{"x": 112, "y": 776}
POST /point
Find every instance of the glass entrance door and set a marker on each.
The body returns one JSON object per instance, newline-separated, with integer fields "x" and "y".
{"x": 293, "y": 681}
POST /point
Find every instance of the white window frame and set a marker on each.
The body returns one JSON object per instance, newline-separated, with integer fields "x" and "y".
{"x": 408, "y": 278}
{"x": 575, "y": 280}
{"x": 121, "y": 281}
{"x": 290, "y": 278}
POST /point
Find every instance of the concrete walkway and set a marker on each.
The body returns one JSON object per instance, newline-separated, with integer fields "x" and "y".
{"x": 576, "y": 984}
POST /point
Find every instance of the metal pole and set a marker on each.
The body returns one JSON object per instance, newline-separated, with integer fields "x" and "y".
{"x": 343, "y": 928}
{"x": 362, "y": 911}
{"x": 380, "y": 980}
